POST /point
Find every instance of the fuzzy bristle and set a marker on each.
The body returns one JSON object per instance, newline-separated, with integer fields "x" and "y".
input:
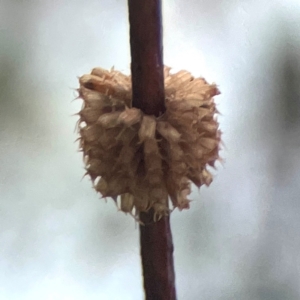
{"x": 143, "y": 159}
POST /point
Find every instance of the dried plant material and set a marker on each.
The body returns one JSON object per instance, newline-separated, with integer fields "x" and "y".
{"x": 94, "y": 99}
{"x": 145, "y": 160}
{"x": 109, "y": 120}
{"x": 168, "y": 132}
{"x": 147, "y": 129}
{"x": 89, "y": 134}
{"x": 126, "y": 156}
{"x": 127, "y": 203}
{"x": 130, "y": 116}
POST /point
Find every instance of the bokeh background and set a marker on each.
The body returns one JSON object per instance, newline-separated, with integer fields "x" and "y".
{"x": 240, "y": 239}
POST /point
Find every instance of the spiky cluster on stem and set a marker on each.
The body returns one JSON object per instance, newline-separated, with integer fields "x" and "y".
{"x": 141, "y": 158}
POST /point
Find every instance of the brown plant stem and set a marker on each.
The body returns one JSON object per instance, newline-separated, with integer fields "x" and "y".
{"x": 146, "y": 56}
{"x": 148, "y": 95}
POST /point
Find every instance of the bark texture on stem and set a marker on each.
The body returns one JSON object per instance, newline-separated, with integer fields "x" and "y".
{"x": 157, "y": 258}
{"x": 148, "y": 95}
{"x": 146, "y": 56}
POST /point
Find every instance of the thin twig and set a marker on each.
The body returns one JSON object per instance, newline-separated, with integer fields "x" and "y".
{"x": 146, "y": 56}
{"x": 148, "y": 95}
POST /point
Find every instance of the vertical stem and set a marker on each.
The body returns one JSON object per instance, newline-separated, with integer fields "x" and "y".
{"x": 146, "y": 56}
{"x": 157, "y": 258}
{"x": 148, "y": 94}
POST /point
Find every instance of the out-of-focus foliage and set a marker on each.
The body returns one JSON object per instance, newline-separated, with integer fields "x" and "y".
{"x": 240, "y": 238}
